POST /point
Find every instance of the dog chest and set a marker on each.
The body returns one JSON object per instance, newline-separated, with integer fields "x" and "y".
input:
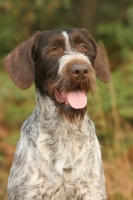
{"x": 67, "y": 148}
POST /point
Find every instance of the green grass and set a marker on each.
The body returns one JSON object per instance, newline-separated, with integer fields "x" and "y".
{"x": 13, "y": 138}
{"x": 17, "y": 104}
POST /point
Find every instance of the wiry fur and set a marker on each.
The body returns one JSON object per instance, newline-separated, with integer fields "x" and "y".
{"x": 58, "y": 160}
{"x": 58, "y": 156}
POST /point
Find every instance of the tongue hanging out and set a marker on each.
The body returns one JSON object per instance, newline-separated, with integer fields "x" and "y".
{"x": 76, "y": 99}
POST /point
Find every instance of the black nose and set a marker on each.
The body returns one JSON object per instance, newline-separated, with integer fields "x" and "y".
{"x": 80, "y": 71}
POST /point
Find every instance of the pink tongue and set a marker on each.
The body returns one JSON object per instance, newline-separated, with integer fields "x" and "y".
{"x": 77, "y": 99}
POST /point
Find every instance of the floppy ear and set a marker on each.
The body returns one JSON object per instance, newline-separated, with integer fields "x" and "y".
{"x": 99, "y": 65}
{"x": 20, "y": 64}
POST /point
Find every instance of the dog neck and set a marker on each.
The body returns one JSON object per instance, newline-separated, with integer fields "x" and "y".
{"x": 48, "y": 111}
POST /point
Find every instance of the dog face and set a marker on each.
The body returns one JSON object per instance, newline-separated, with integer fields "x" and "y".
{"x": 63, "y": 65}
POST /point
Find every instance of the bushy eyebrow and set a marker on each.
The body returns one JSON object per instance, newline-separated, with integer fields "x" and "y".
{"x": 78, "y": 38}
{"x": 53, "y": 41}
{"x": 56, "y": 39}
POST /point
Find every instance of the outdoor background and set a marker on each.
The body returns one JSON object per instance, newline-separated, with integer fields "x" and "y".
{"x": 110, "y": 22}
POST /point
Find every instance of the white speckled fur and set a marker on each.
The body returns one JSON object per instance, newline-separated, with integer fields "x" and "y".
{"x": 71, "y": 56}
{"x": 61, "y": 160}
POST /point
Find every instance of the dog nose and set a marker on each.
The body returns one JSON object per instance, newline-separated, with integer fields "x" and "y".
{"x": 80, "y": 71}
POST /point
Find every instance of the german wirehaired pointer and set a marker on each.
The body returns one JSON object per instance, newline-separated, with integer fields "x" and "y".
{"x": 58, "y": 156}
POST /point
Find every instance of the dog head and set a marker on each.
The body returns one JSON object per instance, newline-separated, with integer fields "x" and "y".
{"x": 61, "y": 63}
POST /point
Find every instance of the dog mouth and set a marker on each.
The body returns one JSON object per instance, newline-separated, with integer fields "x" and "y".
{"x": 76, "y": 99}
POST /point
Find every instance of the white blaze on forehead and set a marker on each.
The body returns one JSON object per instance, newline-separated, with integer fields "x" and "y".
{"x": 68, "y": 47}
{"x": 69, "y": 57}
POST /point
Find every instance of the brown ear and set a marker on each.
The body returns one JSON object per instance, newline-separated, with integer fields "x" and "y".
{"x": 20, "y": 65}
{"x": 100, "y": 67}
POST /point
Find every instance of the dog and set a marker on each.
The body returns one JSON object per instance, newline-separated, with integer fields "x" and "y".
{"x": 58, "y": 156}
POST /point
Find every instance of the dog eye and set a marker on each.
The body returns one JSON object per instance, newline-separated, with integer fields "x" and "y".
{"x": 83, "y": 47}
{"x": 54, "y": 49}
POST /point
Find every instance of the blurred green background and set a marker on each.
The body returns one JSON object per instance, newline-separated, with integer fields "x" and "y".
{"x": 110, "y": 22}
